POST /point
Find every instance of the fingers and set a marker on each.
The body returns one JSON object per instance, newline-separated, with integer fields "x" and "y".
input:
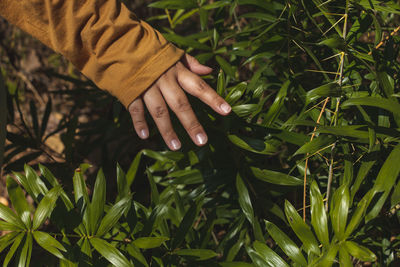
{"x": 194, "y": 65}
{"x": 158, "y": 109}
{"x": 136, "y": 109}
{"x": 197, "y": 87}
{"x": 178, "y": 102}
{"x": 169, "y": 89}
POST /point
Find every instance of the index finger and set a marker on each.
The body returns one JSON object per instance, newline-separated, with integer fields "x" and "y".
{"x": 197, "y": 87}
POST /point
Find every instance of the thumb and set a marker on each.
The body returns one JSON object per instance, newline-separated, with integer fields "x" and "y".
{"x": 194, "y": 65}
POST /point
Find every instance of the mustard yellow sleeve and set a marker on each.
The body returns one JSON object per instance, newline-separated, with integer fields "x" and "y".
{"x": 102, "y": 38}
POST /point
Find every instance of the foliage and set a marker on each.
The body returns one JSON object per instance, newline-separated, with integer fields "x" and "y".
{"x": 315, "y": 130}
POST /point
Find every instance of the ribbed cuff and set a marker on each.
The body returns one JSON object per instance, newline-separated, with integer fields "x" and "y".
{"x": 149, "y": 73}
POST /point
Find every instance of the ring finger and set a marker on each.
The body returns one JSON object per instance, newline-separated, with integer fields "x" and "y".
{"x": 158, "y": 109}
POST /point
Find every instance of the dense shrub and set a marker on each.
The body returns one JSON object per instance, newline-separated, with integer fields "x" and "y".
{"x": 303, "y": 173}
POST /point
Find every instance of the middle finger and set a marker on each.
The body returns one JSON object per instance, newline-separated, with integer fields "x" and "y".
{"x": 179, "y": 103}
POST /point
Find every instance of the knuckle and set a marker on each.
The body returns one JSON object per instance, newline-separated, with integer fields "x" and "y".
{"x": 135, "y": 109}
{"x": 193, "y": 126}
{"x": 202, "y": 85}
{"x": 139, "y": 122}
{"x": 168, "y": 133}
{"x": 160, "y": 112}
{"x": 182, "y": 105}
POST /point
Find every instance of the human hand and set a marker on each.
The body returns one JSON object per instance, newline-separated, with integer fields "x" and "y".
{"x": 170, "y": 90}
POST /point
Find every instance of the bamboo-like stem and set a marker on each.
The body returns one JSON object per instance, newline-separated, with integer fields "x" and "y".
{"x": 306, "y": 164}
{"x": 340, "y": 82}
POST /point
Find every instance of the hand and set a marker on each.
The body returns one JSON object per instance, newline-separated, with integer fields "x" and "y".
{"x": 170, "y": 90}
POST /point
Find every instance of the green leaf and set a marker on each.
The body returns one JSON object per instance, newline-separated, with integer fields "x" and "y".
{"x": 112, "y": 254}
{"x": 274, "y": 177}
{"x": 359, "y": 252}
{"x": 135, "y": 252}
{"x": 221, "y": 83}
{"x": 276, "y": 107}
{"x": 18, "y": 201}
{"x": 257, "y": 260}
{"x": 236, "y": 93}
{"x": 389, "y": 172}
{"x": 49, "y": 243}
{"x": 131, "y": 174}
{"x": 244, "y": 199}
{"x": 149, "y": 242}
{"x": 123, "y": 189}
{"x": 236, "y": 264}
{"x": 253, "y": 145}
{"x": 268, "y": 255}
{"x": 174, "y": 4}
{"x": 329, "y": 89}
{"x": 226, "y": 67}
{"x": 98, "y": 201}
{"x": 185, "y": 225}
{"x": 186, "y": 41}
{"x": 26, "y": 252}
{"x": 328, "y": 257}
{"x": 192, "y": 176}
{"x": 344, "y": 257}
{"x": 7, "y": 239}
{"x": 6, "y": 226}
{"x": 45, "y": 207}
{"x": 361, "y": 175}
{"x": 286, "y": 244}
{"x": 113, "y": 215}
{"x": 34, "y": 183}
{"x": 335, "y": 42}
{"x": 9, "y": 216}
{"x": 3, "y": 118}
{"x": 317, "y": 144}
{"x": 339, "y": 210}
{"x": 13, "y": 249}
{"x": 385, "y": 181}
{"x": 319, "y": 219}
{"x": 358, "y": 214}
{"x": 301, "y": 229}
{"x": 196, "y": 254}
{"x": 382, "y": 103}
{"x": 80, "y": 191}
{"x": 53, "y": 181}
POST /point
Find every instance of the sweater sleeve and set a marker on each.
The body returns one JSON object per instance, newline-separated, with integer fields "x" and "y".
{"x": 102, "y": 38}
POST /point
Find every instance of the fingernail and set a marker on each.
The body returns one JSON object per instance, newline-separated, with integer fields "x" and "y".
{"x": 144, "y": 133}
{"x": 225, "y": 108}
{"x": 175, "y": 144}
{"x": 201, "y": 138}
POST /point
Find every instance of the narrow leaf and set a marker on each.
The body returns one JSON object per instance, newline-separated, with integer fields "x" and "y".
{"x": 340, "y": 208}
{"x": 274, "y": 177}
{"x": 149, "y": 242}
{"x": 301, "y": 229}
{"x": 360, "y": 252}
{"x": 98, "y": 200}
{"x": 318, "y": 215}
{"x": 286, "y": 244}
{"x": 244, "y": 199}
{"x": 268, "y": 255}
{"x": 18, "y": 201}
{"x": 112, "y": 254}
{"x": 196, "y": 254}
{"x": 113, "y": 215}
{"x": 49, "y": 243}
{"x": 45, "y": 207}
{"x": 13, "y": 249}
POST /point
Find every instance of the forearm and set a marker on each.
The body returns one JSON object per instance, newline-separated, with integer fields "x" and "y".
{"x": 102, "y": 38}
